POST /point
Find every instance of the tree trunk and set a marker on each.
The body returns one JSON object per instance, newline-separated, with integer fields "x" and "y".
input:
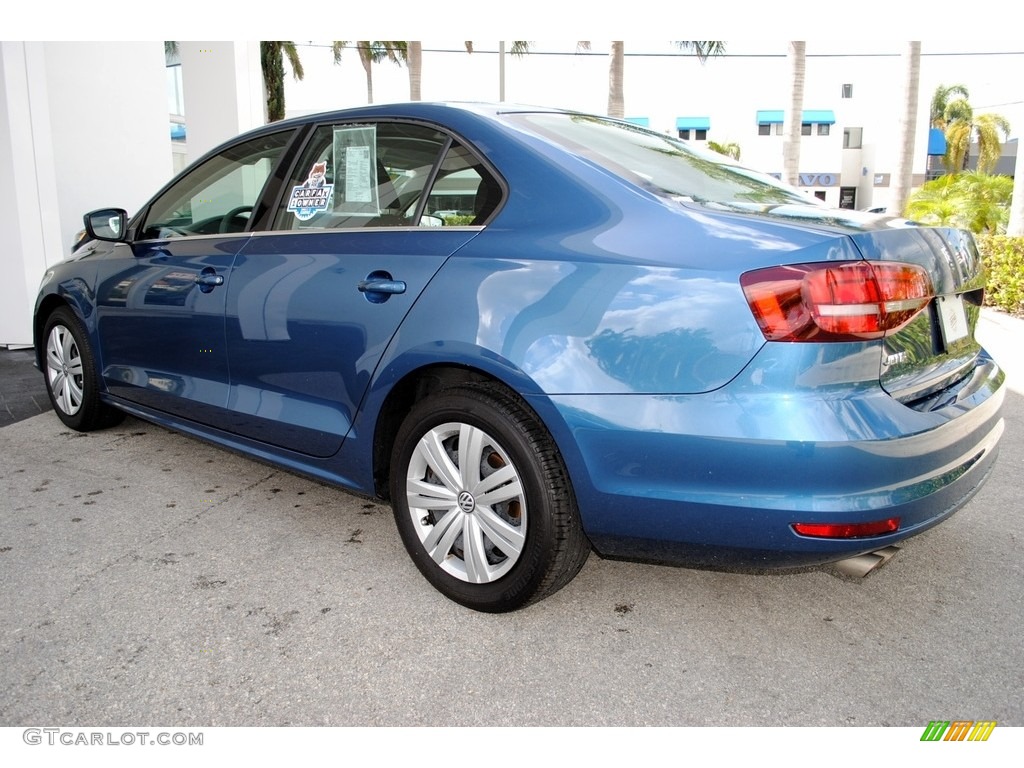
{"x": 616, "y": 100}
{"x": 366, "y": 56}
{"x": 903, "y": 175}
{"x": 415, "y": 54}
{"x": 794, "y": 120}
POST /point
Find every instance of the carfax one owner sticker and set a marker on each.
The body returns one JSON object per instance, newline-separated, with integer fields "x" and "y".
{"x": 313, "y": 195}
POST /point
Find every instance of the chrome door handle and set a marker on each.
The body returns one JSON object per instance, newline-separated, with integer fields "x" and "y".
{"x": 381, "y": 286}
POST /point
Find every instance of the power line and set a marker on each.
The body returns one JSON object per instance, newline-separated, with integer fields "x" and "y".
{"x": 685, "y": 55}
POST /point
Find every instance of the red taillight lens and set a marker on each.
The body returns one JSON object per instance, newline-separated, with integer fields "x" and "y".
{"x": 847, "y": 301}
{"x": 848, "y": 530}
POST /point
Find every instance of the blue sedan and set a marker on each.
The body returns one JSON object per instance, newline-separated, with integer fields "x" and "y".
{"x": 539, "y": 333}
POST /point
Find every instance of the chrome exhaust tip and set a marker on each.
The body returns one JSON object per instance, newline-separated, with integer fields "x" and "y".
{"x": 861, "y": 565}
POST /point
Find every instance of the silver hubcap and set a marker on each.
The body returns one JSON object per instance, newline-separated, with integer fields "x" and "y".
{"x": 467, "y": 503}
{"x": 64, "y": 369}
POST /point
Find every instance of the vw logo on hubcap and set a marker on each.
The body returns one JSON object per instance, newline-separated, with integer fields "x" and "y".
{"x": 466, "y": 502}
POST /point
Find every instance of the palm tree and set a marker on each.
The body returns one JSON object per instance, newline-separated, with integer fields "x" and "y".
{"x": 791, "y": 144}
{"x": 272, "y": 53}
{"x": 373, "y": 52}
{"x": 702, "y": 49}
{"x": 986, "y": 129}
{"x": 949, "y": 102}
{"x": 414, "y": 52}
{"x": 616, "y": 68}
{"x": 908, "y": 128}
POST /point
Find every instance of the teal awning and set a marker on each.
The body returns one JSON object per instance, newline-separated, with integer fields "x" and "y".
{"x": 693, "y": 123}
{"x": 643, "y": 122}
{"x": 826, "y": 116}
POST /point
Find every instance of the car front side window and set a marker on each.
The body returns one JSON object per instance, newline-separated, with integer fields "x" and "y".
{"x": 218, "y": 196}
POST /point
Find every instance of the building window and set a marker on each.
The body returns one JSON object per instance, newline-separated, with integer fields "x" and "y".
{"x": 847, "y": 90}
{"x": 700, "y": 134}
{"x": 764, "y": 129}
{"x": 684, "y": 133}
{"x": 852, "y": 138}
{"x": 175, "y": 97}
{"x": 823, "y": 129}
{"x": 805, "y": 129}
{"x": 820, "y": 194}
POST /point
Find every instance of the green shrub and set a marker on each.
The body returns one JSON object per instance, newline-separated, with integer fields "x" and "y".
{"x": 969, "y": 200}
{"x": 1003, "y": 257}
{"x": 458, "y": 221}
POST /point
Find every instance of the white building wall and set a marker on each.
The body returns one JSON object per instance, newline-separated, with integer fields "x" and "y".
{"x": 223, "y": 87}
{"x": 82, "y": 126}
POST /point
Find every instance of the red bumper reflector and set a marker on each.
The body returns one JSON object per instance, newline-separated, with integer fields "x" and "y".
{"x": 848, "y": 530}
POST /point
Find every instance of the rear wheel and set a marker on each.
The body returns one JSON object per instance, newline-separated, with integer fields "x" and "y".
{"x": 72, "y": 380}
{"x": 482, "y": 500}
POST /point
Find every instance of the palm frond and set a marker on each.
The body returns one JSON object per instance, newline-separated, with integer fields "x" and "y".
{"x": 292, "y": 54}
{"x": 337, "y": 47}
{"x": 520, "y": 47}
{"x": 702, "y": 49}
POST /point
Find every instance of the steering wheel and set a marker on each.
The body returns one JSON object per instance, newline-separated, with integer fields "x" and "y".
{"x": 234, "y": 213}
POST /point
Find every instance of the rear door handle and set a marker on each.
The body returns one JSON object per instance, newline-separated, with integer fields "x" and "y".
{"x": 380, "y": 285}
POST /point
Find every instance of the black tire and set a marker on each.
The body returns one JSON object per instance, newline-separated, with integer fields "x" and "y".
{"x": 72, "y": 380}
{"x": 523, "y": 527}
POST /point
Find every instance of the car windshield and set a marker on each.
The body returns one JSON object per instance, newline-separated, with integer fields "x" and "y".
{"x": 664, "y": 165}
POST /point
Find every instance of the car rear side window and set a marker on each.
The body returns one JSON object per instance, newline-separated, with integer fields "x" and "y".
{"x": 218, "y": 196}
{"x": 361, "y": 175}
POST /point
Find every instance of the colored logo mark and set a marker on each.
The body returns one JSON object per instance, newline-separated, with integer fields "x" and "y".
{"x": 958, "y": 730}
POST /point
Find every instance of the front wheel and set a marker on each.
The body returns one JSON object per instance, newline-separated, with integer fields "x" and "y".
{"x": 72, "y": 380}
{"x": 482, "y": 500}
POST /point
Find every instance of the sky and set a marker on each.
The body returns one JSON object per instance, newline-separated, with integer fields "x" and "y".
{"x": 866, "y": 20}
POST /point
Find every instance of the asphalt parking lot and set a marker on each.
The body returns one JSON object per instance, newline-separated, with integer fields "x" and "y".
{"x": 151, "y": 578}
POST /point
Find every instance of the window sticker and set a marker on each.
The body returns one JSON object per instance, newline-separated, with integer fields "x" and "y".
{"x": 355, "y": 170}
{"x": 313, "y": 195}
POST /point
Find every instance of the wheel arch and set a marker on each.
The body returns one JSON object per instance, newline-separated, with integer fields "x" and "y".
{"x": 70, "y": 284}
{"x": 426, "y": 379}
{"x": 44, "y": 309}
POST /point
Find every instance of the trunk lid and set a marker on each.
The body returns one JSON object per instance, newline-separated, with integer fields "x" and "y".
{"x": 925, "y": 364}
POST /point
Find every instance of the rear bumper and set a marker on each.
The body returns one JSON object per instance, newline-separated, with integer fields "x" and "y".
{"x": 719, "y": 478}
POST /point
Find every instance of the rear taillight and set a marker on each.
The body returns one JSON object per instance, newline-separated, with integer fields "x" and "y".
{"x": 848, "y": 301}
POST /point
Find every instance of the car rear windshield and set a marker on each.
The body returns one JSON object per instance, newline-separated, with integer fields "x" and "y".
{"x": 660, "y": 163}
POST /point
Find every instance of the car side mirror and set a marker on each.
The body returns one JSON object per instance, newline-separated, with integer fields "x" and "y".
{"x": 108, "y": 224}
